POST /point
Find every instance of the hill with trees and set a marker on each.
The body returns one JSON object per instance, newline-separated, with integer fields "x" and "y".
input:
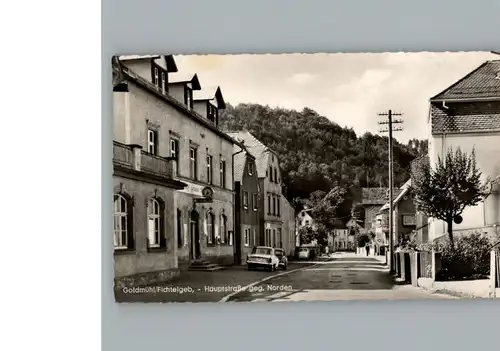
{"x": 317, "y": 154}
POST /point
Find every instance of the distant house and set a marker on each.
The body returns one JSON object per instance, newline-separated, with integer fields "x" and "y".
{"x": 371, "y": 200}
{"x": 304, "y": 219}
{"x": 343, "y": 240}
{"x": 421, "y": 220}
{"x": 467, "y": 115}
{"x": 289, "y": 227}
{"x": 246, "y": 187}
{"x": 269, "y": 173}
{"x": 403, "y": 217}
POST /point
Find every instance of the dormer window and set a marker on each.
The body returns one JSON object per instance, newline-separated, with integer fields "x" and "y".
{"x": 212, "y": 113}
{"x": 188, "y": 96}
{"x": 159, "y": 77}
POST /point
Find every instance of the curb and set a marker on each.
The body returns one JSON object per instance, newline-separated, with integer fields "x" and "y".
{"x": 227, "y": 297}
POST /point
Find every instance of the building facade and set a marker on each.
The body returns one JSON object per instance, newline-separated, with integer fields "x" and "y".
{"x": 246, "y": 204}
{"x": 342, "y": 240}
{"x": 289, "y": 227}
{"x": 269, "y": 173}
{"x": 371, "y": 200}
{"x": 157, "y": 109}
{"x": 404, "y": 218}
{"x": 467, "y": 116}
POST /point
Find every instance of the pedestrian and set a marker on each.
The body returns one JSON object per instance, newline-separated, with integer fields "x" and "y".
{"x": 367, "y": 248}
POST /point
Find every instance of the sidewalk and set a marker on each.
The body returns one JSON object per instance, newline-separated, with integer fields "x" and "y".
{"x": 194, "y": 286}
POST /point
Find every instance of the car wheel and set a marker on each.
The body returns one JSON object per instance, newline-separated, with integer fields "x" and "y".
{"x": 284, "y": 266}
{"x": 249, "y": 267}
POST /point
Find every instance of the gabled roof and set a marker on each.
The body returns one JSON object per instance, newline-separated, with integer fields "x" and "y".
{"x": 169, "y": 60}
{"x": 207, "y": 94}
{"x": 401, "y": 192}
{"x": 239, "y": 163}
{"x": 181, "y": 77}
{"x": 465, "y": 118}
{"x": 256, "y": 148}
{"x": 377, "y": 196}
{"x": 143, "y": 83}
{"x": 481, "y": 83}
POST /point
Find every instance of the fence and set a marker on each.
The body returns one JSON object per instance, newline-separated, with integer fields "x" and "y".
{"x": 409, "y": 266}
{"x": 497, "y": 268}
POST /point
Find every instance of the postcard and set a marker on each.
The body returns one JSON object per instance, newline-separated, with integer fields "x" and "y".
{"x": 306, "y": 177}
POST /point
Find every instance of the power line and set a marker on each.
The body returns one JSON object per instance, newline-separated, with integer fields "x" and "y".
{"x": 390, "y": 129}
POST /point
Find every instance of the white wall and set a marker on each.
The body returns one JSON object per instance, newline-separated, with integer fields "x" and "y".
{"x": 487, "y": 148}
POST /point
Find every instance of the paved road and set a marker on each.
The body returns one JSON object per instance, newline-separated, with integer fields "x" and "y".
{"x": 346, "y": 277}
{"x": 203, "y": 286}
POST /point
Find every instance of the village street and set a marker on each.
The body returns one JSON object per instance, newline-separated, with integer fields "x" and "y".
{"x": 342, "y": 276}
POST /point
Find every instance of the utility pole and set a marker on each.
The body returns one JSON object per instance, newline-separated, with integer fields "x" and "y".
{"x": 389, "y": 122}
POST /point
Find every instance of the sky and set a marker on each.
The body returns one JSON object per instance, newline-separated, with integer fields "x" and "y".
{"x": 349, "y": 89}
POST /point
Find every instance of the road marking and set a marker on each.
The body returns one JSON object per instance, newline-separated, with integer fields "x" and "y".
{"x": 227, "y": 297}
{"x": 353, "y": 269}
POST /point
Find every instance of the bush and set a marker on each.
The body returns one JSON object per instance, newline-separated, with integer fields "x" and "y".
{"x": 468, "y": 258}
{"x": 363, "y": 239}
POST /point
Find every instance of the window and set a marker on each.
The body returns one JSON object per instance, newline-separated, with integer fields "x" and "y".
{"x": 278, "y": 205}
{"x": 223, "y": 174}
{"x": 254, "y": 238}
{"x": 270, "y": 173}
{"x": 268, "y": 204}
{"x": 274, "y": 205}
{"x": 179, "y": 228}
{"x": 250, "y": 168}
{"x": 209, "y": 170}
{"x": 307, "y": 223}
{"x": 267, "y": 238}
{"x": 174, "y": 148}
{"x": 255, "y": 200}
{"x": 223, "y": 229}
{"x": 280, "y": 241}
{"x": 273, "y": 244}
{"x": 211, "y": 228}
{"x": 247, "y": 237}
{"x": 154, "y": 230}
{"x": 245, "y": 199}
{"x": 152, "y": 141}
{"x": 192, "y": 163}
{"x": 188, "y": 96}
{"x": 122, "y": 220}
{"x": 159, "y": 77}
{"x": 212, "y": 113}
{"x": 276, "y": 175}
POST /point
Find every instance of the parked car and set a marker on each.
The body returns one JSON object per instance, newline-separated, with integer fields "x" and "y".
{"x": 263, "y": 257}
{"x": 280, "y": 253}
{"x": 304, "y": 253}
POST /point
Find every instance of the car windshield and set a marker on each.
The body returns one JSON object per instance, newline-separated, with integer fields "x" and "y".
{"x": 303, "y": 250}
{"x": 262, "y": 251}
{"x": 278, "y": 253}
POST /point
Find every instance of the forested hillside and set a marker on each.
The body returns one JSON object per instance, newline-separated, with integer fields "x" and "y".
{"x": 317, "y": 154}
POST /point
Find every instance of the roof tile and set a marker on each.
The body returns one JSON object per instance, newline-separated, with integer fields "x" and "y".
{"x": 256, "y": 148}
{"x": 483, "y": 82}
{"x": 466, "y": 117}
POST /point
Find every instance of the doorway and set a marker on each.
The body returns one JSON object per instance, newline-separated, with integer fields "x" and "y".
{"x": 194, "y": 233}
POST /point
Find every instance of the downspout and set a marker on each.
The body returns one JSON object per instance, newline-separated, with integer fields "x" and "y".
{"x": 235, "y": 227}
{"x": 443, "y": 135}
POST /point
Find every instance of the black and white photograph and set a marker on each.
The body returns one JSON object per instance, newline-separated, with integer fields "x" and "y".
{"x": 306, "y": 177}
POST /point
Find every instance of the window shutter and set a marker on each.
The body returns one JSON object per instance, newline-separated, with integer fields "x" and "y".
{"x": 130, "y": 224}
{"x": 163, "y": 237}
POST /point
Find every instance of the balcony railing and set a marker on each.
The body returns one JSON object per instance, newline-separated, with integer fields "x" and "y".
{"x": 122, "y": 154}
{"x": 156, "y": 164}
{"x": 131, "y": 156}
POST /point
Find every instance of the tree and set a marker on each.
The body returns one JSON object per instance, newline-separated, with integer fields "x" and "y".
{"x": 306, "y": 234}
{"x": 445, "y": 191}
{"x": 325, "y": 213}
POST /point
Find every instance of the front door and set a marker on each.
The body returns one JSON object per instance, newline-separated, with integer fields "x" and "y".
{"x": 194, "y": 233}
